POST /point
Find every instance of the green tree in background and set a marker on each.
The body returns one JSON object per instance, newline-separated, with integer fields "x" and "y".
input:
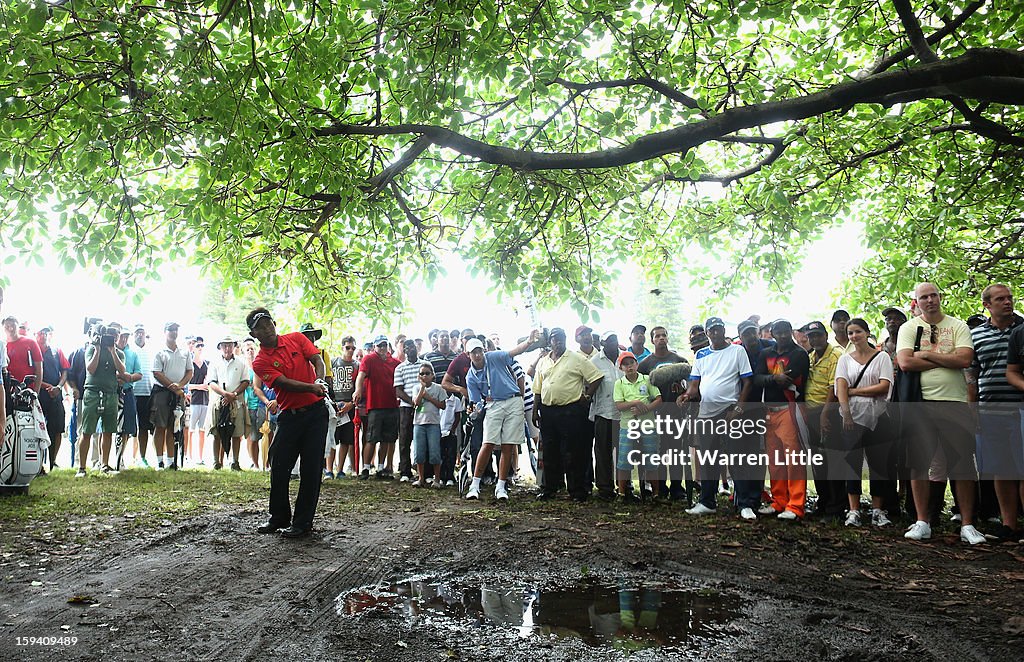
{"x": 344, "y": 147}
{"x": 661, "y": 301}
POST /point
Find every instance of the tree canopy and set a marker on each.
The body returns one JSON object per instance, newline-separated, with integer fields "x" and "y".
{"x": 347, "y": 146}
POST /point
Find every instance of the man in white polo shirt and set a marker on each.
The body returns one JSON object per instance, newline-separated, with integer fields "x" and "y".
{"x": 721, "y": 377}
{"x": 228, "y": 377}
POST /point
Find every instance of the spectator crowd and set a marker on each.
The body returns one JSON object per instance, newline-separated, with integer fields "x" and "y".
{"x": 926, "y": 401}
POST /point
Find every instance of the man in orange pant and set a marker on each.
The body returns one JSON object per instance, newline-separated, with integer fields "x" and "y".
{"x": 783, "y": 371}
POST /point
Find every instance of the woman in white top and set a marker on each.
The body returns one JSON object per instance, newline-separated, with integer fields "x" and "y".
{"x": 863, "y": 385}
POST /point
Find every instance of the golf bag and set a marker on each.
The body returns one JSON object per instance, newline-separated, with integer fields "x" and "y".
{"x": 25, "y": 439}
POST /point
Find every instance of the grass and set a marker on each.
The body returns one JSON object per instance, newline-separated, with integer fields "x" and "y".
{"x": 145, "y": 496}
{"x": 63, "y": 509}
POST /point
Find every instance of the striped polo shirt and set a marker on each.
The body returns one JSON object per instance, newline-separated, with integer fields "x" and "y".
{"x": 990, "y": 348}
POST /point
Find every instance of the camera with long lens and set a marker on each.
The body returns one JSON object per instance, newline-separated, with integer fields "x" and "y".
{"x": 103, "y": 335}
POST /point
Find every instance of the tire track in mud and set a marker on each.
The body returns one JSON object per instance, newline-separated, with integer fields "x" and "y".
{"x": 295, "y": 627}
{"x": 208, "y": 589}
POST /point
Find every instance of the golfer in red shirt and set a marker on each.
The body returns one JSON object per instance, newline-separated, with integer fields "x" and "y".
{"x": 293, "y": 367}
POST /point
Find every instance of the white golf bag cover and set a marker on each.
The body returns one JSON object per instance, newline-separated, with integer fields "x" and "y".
{"x": 25, "y": 439}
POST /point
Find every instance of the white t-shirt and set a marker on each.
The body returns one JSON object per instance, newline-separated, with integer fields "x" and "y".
{"x": 719, "y": 372}
{"x": 864, "y": 410}
{"x": 452, "y": 407}
{"x": 428, "y": 413}
{"x": 3, "y": 356}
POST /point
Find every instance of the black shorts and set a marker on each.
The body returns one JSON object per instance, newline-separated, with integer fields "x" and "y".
{"x": 142, "y": 413}
{"x": 345, "y": 434}
{"x": 382, "y": 426}
{"x": 53, "y": 412}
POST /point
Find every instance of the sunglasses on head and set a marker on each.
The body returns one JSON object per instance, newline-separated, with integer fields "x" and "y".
{"x": 256, "y": 319}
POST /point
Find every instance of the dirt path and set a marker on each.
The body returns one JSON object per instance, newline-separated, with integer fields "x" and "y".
{"x": 209, "y": 588}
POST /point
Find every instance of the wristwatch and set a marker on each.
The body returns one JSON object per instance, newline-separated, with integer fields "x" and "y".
{"x": 737, "y": 409}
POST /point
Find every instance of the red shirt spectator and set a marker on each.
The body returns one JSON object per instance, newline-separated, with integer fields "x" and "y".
{"x": 458, "y": 369}
{"x": 289, "y": 359}
{"x": 23, "y": 356}
{"x": 381, "y": 373}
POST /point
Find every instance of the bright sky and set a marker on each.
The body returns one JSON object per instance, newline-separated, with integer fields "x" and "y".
{"x": 48, "y": 296}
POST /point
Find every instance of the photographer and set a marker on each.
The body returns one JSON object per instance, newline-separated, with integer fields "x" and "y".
{"x": 104, "y": 365}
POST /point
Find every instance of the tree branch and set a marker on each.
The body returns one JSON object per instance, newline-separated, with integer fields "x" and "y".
{"x": 778, "y": 147}
{"x": 912, "y": 27}
{"x": 656, "y": 85}
{"x": 984, "y": 73}
{"x": 385, "y": 176}
{"x": 932, "y": 39}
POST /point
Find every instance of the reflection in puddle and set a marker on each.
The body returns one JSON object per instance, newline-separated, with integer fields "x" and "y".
{"x": 626, "y": 616}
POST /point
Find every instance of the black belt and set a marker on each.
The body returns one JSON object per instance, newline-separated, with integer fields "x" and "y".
{"x": 299, "y": 410}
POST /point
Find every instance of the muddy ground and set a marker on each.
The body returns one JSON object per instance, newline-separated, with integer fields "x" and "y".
{"x": 208, "y": 587}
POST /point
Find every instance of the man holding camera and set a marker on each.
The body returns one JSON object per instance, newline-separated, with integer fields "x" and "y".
{"x": 172, "y": 370}
{"x": 103, "y": 364}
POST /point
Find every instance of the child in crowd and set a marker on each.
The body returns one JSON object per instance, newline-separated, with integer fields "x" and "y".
{"x": 428, "y": 399}
{"x": 636, "y": 398}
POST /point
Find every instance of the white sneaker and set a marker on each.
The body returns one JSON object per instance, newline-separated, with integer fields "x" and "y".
{"x": 971, "y": 535}
{"x": 700, "y": 509}
{"x": 955, "y": 518}
{"x": 450, "y": 483}
{"x": 416, "y": 483}
{"x": 919, "y": 531}
{"x": 880, "y": 518}
{"x": 501, "y": 494}
{"x": 748, "y": 514}
{"x": 767, "y": 510}
{"x": 787, "y": 515}
{"x": 473, "y": 493}
{"x": 437, "y": 485}
{"x": 853, "y": 518}
{"x": 404, "y": 479}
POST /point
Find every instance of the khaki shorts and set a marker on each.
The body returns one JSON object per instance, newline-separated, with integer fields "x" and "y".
{"x": 504, "y": 423}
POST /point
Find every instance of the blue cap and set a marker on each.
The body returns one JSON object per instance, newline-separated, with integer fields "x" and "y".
{"x": 379, "y": 339}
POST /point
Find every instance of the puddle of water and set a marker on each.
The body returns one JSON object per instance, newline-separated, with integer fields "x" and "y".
{"x": 628, "y": 616}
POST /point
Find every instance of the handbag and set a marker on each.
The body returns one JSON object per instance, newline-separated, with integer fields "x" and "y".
{"x": 864, "y": 369}
{"x": 908, "y": 384}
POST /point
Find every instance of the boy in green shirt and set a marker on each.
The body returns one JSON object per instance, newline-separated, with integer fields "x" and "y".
{"x": 636, "y": 398}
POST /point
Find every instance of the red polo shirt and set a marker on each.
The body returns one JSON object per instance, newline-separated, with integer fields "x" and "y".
{"x": 289, "y": 359}
{"x": 23, "y": 356}
{"x": 381, "y": 372}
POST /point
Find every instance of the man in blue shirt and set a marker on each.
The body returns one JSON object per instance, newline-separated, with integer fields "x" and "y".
{"x": 491, "y": 384}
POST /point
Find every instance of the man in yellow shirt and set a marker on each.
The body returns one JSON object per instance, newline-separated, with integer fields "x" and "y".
{"x": 565, "y": 384}
{"x": 943, "y": 420}
{"x": 824, "y": 425}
